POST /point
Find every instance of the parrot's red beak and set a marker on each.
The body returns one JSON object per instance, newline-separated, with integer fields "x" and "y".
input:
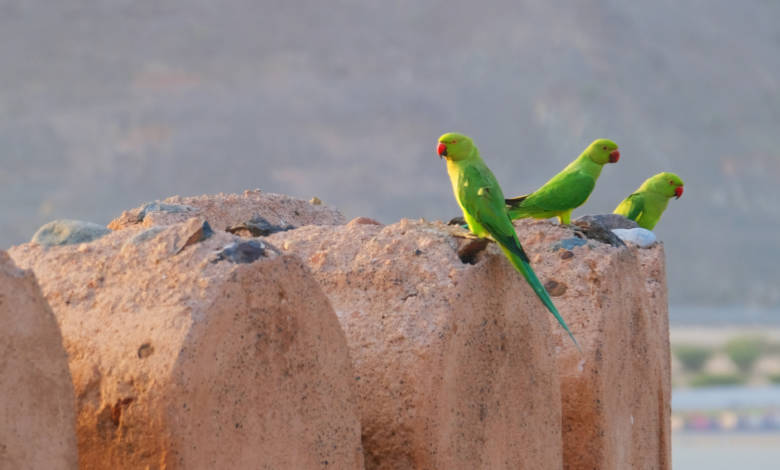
{"x": 614, "y": 156}
{"x": 441, "y": 150}
{"x": 678, "y": 192}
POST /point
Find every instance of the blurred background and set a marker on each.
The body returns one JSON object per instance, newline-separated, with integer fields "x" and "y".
{"x": 105, "y": 105}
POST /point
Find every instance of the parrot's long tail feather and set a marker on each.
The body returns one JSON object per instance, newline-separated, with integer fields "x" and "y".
{"x": 517, "y": 257}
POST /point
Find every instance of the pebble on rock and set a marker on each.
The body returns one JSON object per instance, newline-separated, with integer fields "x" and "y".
{"x": 243, "y": 251}
{"x": 607, "y": 221}
{"x": 259, "y": 227}
{"x": 569, "y": 243}
{"x": 158, "y": 206}
{"x": 68, "y": 232}
{"x": 641, "y": 237}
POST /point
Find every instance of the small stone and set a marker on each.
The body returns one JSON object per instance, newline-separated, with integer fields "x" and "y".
{"x": 641, "y": 237}
{"x": 594, "y": 229}
{"x": 243, "y": 251}
{"x": 201, "y": 231}
{"x": 158, "y": 206}
{"x": 555, "y": 288}
{"x": 607, "y": 221}
{"x": 363, "y": 221}
{"x": 457, "y": 221}
{"x": 567, "y": 254}
{"x": 258, "y": 227}
{"x": 569, "y": 243}
{"x": 68, "y": 232}
{"x": 315, "y": 201}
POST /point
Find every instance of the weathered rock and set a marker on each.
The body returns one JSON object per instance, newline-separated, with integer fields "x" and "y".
{"x": 640, "y": 237}
{"x": 157, "y": 206}
{"x": 37, "y": 406}
{"x": 607, "y": 221}
{"x": 616, "y": 394}
{"x": 195, "y": 231}
{"x": 68, "y": 232}
{"x": 257, "y": 227}
{"x": 598, "y": 232}
{"x": 454, "y": 363}
{"x": 242, "y": 251}
{"x": 567, "y": 243}
{"x": 179, "y": 362}
{"x": 229, "y": 210}
{"x": 365, "y": 221}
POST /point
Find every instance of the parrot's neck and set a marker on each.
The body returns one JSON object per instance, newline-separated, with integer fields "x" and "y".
{"x": 455, "y": 168}
{"x": 656, "y": 198}
{"x": 585, "y": 165}
{"x": 457, "y": 165}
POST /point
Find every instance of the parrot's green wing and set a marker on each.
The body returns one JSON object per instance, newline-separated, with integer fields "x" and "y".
{"x": 564, "y": 191}
{"x": 632, "y": 206}
{"x": 481, "y": 197}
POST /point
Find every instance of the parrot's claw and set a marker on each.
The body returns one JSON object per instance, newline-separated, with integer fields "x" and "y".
{"x": 467, "y": 235}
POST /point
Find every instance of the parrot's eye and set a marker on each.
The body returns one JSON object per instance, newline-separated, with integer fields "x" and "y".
{"x": 671, "y": 182}
{"x": 454, "y": 142}
{"x": 604, "y": 148}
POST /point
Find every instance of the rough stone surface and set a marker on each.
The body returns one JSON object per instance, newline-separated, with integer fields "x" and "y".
{"x": 181, "y": 362}
{"x": 616, "y": 394}
{"x": 454, "y": 362}
{"x": 607, "y": 221}
{"x": 230, "y": 210}
{"x": 68, "y": 232}
{"x": 37, "y": 406}
{"x": 639, "y": 236}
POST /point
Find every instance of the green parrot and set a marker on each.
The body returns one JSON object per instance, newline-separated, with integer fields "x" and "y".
{"x": 647, "y": 203}
{"x": 568, "y": 189}
{"x": 482, "y": 202}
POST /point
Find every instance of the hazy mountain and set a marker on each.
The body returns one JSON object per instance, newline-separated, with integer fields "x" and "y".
{"x": 105, "y": 105}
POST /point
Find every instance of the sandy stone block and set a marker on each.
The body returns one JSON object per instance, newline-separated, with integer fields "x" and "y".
{"x": 37, "y": 406}
{"x": 453, "y": 361}
{"x": 185, "y": 360}
{"x": 617, "y": 394}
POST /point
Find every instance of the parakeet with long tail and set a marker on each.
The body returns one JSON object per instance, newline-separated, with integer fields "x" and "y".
{"x": 649, "y": 201}
{"x": 482, "y": 202}
{"x": 568, "y": 189}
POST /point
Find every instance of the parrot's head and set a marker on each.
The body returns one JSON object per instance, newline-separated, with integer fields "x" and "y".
{"x": 603, "y": 151}
{"x": 454, "y": 146}
{"x": 666, "y": 183}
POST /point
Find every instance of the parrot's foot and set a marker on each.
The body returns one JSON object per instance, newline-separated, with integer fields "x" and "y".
{"x": 467, "y": 235}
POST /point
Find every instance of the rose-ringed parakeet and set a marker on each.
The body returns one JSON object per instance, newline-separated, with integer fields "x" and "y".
{"x": 647, "y": 203}
{"x": 482, "y": 202}
{"x": 568, "y": 189}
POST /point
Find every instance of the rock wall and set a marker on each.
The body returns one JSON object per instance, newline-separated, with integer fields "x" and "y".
{"x": 37, "y": 407}
{"x": 454, "y": 361}
{"x": 617, "y": 393}
{"x": 330, "y": 345}
{"x": 182, "y": 358}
